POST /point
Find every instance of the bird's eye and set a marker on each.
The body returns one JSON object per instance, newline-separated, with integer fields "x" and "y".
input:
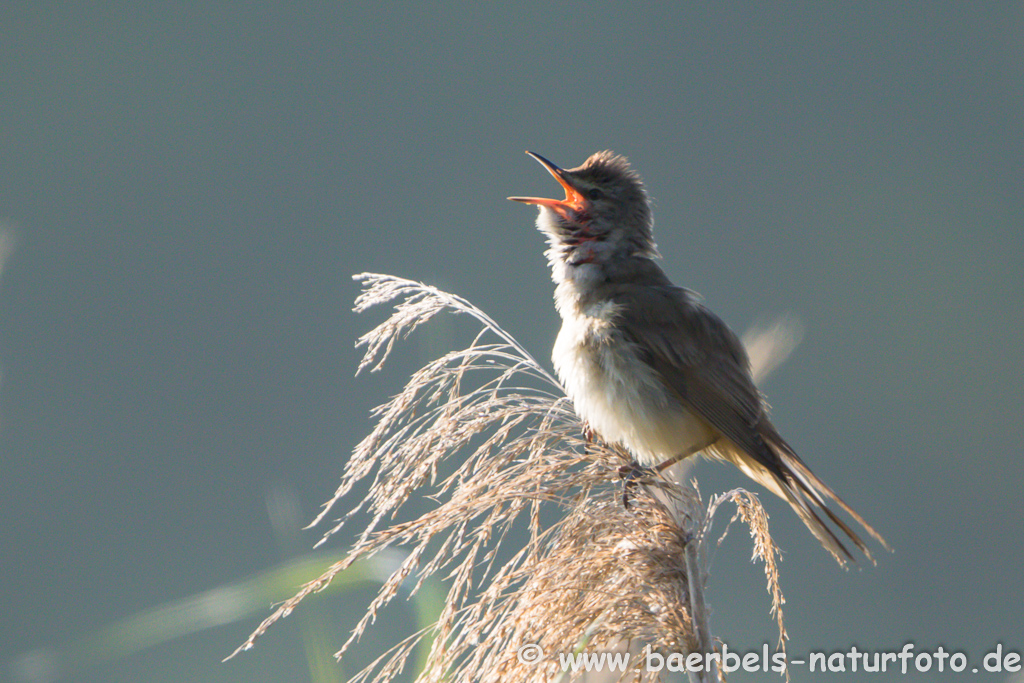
{"x": 595, "y": 193}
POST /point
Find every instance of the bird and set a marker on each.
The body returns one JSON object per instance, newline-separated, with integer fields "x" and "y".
{"x": 646, "y": 364}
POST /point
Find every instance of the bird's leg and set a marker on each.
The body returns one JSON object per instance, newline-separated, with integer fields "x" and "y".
{"x": 630, "y": 474}
{"x": 664, "y": 465}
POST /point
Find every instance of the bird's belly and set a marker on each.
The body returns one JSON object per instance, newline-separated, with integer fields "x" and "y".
{"x": 621, "y": 397}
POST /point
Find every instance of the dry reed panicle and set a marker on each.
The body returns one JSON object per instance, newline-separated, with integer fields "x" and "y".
{"x": 488, "y": 434}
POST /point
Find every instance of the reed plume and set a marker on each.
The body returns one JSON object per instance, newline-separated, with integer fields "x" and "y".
{"x": 487, "y": 433}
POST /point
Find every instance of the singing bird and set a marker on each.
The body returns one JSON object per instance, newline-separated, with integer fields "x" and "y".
{"x": 646, "y": 365}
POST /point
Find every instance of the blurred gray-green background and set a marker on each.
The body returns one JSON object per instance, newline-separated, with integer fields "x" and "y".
{"x": 189, "y": 188}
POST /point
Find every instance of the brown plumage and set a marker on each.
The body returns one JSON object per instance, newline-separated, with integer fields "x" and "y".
{"x": 645, "y": 363}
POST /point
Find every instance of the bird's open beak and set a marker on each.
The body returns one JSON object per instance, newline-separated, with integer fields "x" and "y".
{"x": 573, "y": 203}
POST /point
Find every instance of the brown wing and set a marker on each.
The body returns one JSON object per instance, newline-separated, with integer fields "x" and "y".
{"x": 701, "y": 361}
{"x": 704, "y": 364}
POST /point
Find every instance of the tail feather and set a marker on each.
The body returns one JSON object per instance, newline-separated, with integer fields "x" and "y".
{"x": 785, "y": 475}
{"x": 821, "y": 531}
{"x": 802, "y": 485}
{"x": 811, "y": 481}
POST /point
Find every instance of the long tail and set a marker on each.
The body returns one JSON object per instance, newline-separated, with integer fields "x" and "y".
{"x": 785, "y": 475}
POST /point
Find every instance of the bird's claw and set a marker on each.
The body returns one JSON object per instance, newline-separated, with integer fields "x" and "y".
{"x": 631, "y": 476}
{"x": 588, "y": 433}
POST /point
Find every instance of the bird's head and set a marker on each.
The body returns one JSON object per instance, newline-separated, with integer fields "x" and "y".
{"x": 604, "y": 218}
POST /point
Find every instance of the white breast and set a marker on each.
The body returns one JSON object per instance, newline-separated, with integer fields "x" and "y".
{"x": 616, "y": 393}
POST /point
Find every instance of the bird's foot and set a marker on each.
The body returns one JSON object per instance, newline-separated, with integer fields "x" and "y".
{"x": 632, "y": 475}
{"x": 588, "y": 433}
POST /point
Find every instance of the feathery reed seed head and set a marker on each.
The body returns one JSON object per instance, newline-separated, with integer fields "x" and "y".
{"x": 487, "y": 432}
